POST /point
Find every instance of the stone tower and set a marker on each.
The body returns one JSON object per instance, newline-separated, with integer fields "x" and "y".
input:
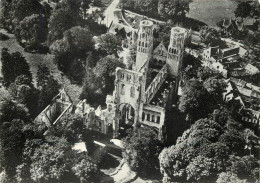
{"x": 144, "y": 44}
{"x": 175, "y": 50}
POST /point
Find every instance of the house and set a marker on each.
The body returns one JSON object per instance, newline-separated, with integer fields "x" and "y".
{"x": 252, "y": 70}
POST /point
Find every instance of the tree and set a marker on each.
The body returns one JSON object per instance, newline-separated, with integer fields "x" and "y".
{"x": 70, "y": 52}
{"x": 173, "y": 9}
{"x": 205, "y": 72}
{"x": 141, "y": 151}
{"x": 86, "y": 171}
{"x": 225, "y": 177}
{"x": 243, "y": 9}
{"x": 13, "y": 65}
{"x": 195, "y": 100}
{"x": 110, "y": 43}
{"x": 10, "y": 110}
{"x": 189, "y": 59}
{"x": 14, "y": 11}
{"x": 23, "y": 91}
{"x": 65, "y": 16}
{"x": 200, "y": 154}
{"x": 99, "y": 81}
{"x": 216, "y": 87}
{"x": 32, "y": 30}
{"x": 147, "y": 7}
{"x": 211, "y": 37}
{"x": 47, "y": 85}
{"x": 12, "y": 141}
{"x": 55, "y": 161}
{"x": 49, "y": 161}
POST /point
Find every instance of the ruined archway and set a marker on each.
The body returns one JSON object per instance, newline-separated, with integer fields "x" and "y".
{"x": 126, "y": 117}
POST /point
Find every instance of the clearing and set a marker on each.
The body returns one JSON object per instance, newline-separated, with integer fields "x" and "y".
{"x": 212, "y": 11}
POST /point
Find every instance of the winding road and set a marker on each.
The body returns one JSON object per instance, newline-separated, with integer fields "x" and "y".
{"x": 109, "y": 13}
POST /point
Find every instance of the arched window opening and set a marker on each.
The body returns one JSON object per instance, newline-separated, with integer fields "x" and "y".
{"x": 148, "y": 117}
{"x": 158, "y": 119}
{"x": 122, "y": 89}
{"x": 143, "y": 116}
{"x": 152, "y": 118}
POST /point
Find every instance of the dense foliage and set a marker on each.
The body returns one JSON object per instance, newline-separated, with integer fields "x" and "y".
{"x": 100, "y": 80}
{"x": 13, "y": 65}
{"x": 165, "y": 9}
{"x": 141, "y": 151}
{"x": 211, "y": 146}
{"x": 48, "y": 87}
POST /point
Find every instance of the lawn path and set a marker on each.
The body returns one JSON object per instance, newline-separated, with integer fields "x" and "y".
{"x": 35, "y": 59}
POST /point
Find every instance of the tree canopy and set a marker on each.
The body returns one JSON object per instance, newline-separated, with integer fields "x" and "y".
{"x": 32, "y": 30}
{"x": 196, "y": 102}
{"x": 173, "y": 9}
{"x": 13, "y": 65}
{"x": 100, "y": 80}
{"x": 243, "y": 9}
{"x": 47, "y": 85}
{"x": 65, "y": 16}
{"x": 206, "y": 149}
{"x": 141, "y": 151}
{"x": 110, "y": 43}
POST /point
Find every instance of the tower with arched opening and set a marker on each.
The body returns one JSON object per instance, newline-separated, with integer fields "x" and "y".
{"x": 175, "y": 50}
{"x": 144, "y": 44}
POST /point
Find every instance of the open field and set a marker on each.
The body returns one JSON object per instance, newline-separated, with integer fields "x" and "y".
{"x": 212, "y": 11}
{"x": 35, "y": 59}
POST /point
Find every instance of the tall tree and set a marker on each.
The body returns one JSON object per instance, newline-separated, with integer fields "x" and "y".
{"x": 196, "y": 102}
{"x": 141, "y": 151}
{"x": 13, "y": 65}
{"x": 70, "y": 52}
{"x": 99, "y": 81}
{"x": 111, "y": 43}
{"x": 65, "y": 16}
{"x": 10, "y": 110}
{"x": 243, "y": 9}
{"x": 12, "y": 141}
{"x": 32, "y": 30}
{"x": 23, "y": 91}
{"x": 47, "y": 85}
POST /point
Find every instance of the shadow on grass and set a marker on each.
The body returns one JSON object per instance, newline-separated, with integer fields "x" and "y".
{"x": 109, "y": 162}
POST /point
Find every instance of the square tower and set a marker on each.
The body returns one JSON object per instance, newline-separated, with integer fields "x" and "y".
{"x": 175, "y": 50}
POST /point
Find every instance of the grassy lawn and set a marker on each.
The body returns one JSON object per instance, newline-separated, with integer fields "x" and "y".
{"x": 212, "y": 11}
{"x": 35, "y": 59}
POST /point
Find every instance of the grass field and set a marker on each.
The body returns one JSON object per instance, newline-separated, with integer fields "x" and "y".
{"x": 212, "y": 11}
{"x": 35, "y": 59}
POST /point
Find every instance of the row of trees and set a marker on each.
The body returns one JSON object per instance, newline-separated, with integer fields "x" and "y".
{"x": 174, "y": 10}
